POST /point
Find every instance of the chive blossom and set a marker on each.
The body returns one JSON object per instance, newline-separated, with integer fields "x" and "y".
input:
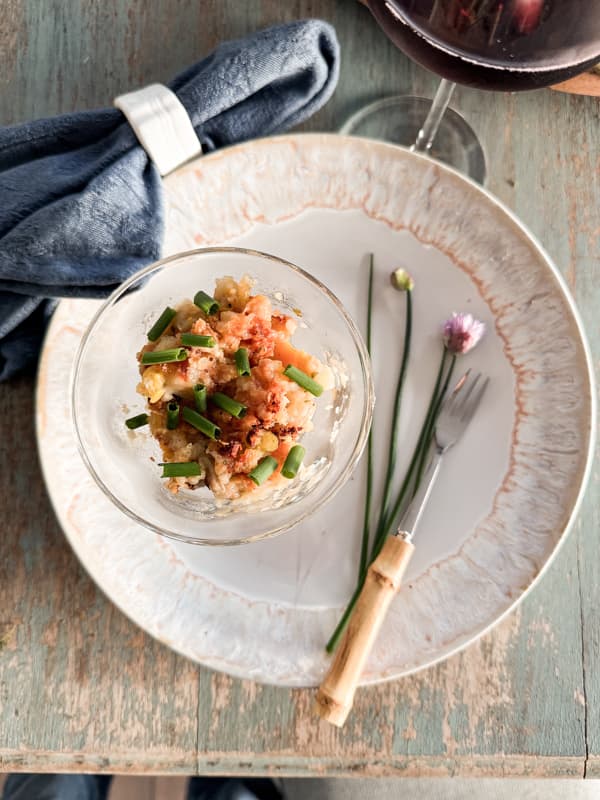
{"x": 263, "y": 470}
{"x": 242, "y": 362}
{"x": 137, "y": 422}
{"x": 229, "y": 405}
{"x": 206, "y": 303}
{"x": 293, "y": 460}
{"x": 161, "y": 324}
{"x": 462, "y": 333}
{"x": 164, "y": 356}
{"x": 303, "y": 380}
{"x": 197, "y": 340}
{"x": 201, "y": 424}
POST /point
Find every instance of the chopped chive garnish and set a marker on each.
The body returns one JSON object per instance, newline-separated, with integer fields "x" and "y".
{"x": 181, "y": 469}
{"x": 242, "y": 361}
{"x": 197, "y": 340}
{"x": 200, "y": 397}
{"x": 229, "y": 404}
{"x": 161, "y": 324}
{"x": 303, "y": 380}
{"x": 206, "y": 303}
{"x": 137, "y": 422}
{"x": 263, "y": 470}
{"x": 202, "y": 424}
{"x": 172, "y": 415}
{"x": 164, "y": 356}
{"x": 292, "y": 462}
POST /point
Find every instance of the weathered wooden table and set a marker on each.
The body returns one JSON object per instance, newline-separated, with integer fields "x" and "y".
{"x": 81, "y": 688}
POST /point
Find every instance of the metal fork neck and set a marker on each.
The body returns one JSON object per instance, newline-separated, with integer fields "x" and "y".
{"x": 412, "y": 516}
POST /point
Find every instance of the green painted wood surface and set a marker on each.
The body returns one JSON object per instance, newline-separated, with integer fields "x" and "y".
{"x": 83, "y": 688}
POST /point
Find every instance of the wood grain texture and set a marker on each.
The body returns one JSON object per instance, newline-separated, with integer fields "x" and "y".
{"x": 335, "y": 696}
{"x": 588, "y": 83}
{"x": 81, "y": 688}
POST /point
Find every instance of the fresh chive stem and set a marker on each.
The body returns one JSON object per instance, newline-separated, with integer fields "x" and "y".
{"x": 206, "y": 303}
{"x": 406, "y": 483}
{"x": 242, "y": 362}
{"x": 200, "y": 397}
{"x": 303, "y": 380}
{"x": 393, "y": 449}
{"x": 293, "y": 460}
{"x": 172, "y": 415}
{"x": 392, "y": 456}
{"x": 202, "y": 424}
{"x": 164, "y": 356}
{"x": 428, "y": 439}
{"x": 229, "y": 405}
{"x": 381, "y": 534}
{"x": 137, "y": 421}
{"x": 263, "y": 470}
{"x": 181, "y": 469}
{"x": 197, "y": 340}
{"x": 341, "y": 626}
{"x": 364, "y": 545}
{"x": 161, "y": 324}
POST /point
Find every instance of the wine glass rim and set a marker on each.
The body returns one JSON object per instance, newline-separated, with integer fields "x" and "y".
{"x": 582, "y": 63}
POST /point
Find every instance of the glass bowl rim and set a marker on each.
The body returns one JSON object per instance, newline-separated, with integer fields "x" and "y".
{"x": 367, "y": 383}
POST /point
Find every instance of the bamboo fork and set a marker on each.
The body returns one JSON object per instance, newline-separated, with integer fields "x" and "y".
{"x": 335, "y": 696}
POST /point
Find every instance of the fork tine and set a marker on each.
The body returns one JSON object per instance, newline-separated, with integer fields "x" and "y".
{"x": 464, "y": 400}
{"x": 460, "y": 382}
{"x": 471, "y": 408}
{"x": 452, "y": 400}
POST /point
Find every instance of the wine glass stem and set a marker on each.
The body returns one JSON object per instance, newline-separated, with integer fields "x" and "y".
{"x": 438, "y": 108}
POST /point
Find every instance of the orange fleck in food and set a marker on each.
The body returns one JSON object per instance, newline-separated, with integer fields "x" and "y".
{"x": 288, "y": 354}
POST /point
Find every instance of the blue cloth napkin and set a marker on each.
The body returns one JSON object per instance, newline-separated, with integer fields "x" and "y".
{"x": 81, "y": 204}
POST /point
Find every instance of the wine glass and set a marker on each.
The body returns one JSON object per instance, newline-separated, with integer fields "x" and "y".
{"x": 505, "y": 45}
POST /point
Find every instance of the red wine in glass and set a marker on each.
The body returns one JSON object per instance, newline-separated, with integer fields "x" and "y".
{"x": 505, "y": 45}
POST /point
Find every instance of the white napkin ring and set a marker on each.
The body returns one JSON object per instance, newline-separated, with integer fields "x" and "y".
{"x": 162, "y": 126}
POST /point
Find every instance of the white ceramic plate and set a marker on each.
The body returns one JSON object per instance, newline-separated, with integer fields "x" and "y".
{"x": 508, "y": 492}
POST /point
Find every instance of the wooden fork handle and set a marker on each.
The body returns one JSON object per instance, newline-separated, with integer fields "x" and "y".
{"x": 336, "y": 694}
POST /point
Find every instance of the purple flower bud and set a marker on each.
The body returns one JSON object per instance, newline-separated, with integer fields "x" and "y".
{"x": 461, "y": 333}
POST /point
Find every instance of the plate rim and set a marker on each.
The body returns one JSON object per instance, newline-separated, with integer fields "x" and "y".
{"x": 590, "y": 384}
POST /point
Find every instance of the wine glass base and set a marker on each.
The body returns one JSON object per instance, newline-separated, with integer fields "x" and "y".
{"x": 399, "y": 119}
